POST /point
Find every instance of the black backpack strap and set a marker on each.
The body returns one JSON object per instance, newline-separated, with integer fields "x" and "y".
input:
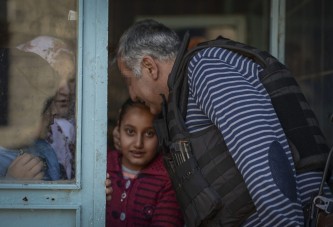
{"x": 161, "y": 122}
{"x": 261, "y": 57}
{"x": 178, "y": 94}
{"x": 182, "y": 50}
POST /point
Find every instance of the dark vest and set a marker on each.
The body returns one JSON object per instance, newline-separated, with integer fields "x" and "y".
{"x": 209, "y": 187}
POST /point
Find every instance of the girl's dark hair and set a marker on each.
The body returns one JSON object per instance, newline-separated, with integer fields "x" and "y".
{"x": 127, "y": 105}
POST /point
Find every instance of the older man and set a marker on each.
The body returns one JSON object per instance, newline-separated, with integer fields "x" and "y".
{"x": 224, "y": 93}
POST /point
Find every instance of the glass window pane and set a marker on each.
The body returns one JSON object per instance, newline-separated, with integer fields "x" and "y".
{"x": 37, "y": 90}
{"x": 309, "y": 53}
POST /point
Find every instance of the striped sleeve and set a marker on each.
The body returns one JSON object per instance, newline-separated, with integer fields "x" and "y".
{"x": 225, "y": 91}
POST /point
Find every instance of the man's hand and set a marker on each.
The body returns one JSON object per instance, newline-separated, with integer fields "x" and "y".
{"x": 108, "y": 188}
{"x": 27, "y": 167}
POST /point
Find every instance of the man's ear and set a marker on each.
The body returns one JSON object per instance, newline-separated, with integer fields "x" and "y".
{"x": 149, "y": 66}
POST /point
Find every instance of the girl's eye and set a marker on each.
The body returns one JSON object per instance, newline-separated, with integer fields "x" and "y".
{"x": 129, "y": 131}
{"x": 150, "y": 133}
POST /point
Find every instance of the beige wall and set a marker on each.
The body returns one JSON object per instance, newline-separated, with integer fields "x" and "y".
{"x": 30, "y": 18}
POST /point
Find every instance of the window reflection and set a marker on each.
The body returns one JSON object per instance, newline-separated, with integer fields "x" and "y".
{"x": 309, "y": 53}
{"x": 37, "y": 81}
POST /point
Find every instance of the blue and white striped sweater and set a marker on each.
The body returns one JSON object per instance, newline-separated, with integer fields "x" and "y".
{"x": 225, "y": 90}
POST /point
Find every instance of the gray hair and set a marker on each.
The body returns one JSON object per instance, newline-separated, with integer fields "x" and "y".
{"x": 147, "y": 37}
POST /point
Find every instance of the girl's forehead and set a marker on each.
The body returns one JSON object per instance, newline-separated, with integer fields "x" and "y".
{"x": 138, "y": 111}
{"x": 137, "y": 114}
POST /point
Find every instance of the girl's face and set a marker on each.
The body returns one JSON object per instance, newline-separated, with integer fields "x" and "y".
{"x": 138, "y": 139}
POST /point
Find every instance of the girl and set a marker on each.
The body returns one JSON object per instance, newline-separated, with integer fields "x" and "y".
{"x": 142, "y": 193}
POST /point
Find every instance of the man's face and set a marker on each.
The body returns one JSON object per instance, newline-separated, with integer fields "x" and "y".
{"x": 144, "y": 89}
